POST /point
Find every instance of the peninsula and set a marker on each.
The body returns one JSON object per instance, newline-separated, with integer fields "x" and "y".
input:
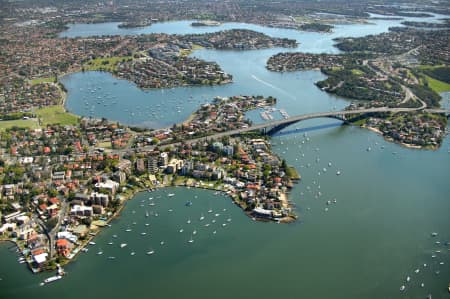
{"x": 402, "y": 68}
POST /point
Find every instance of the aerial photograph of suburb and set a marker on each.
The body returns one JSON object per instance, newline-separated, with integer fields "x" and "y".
{"x": 224, "y": 149}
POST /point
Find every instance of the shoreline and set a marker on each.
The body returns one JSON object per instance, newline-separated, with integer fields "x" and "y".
{"x": 131, "y": 196}
{"x": 390, "y": 139}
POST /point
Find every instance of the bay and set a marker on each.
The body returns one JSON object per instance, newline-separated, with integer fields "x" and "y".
{"x": 388, "y": 201}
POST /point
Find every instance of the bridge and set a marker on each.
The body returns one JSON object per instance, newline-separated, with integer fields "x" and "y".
{"x": 273, "y": 127}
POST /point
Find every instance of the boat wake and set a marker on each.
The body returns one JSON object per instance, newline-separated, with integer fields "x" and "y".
{"x": 274, "y": 87}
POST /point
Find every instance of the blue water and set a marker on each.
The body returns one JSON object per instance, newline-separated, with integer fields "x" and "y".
{"x": 389, "y": 200}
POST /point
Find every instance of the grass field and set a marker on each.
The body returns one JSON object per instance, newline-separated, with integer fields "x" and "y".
{"x": 43, "y": 80}
{"x": 21, "y": 123}
{"x": 104, "y": 64}
{"x": 436, "y": 85}
{"x": 56, "y": 115}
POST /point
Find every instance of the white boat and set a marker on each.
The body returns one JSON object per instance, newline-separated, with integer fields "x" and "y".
{"x": 123, "y": 245}
{"x": 162, "y": 242}
{"x": 214, "y": 232}
{"x": 402, "y": 288}
{"x": 128, "y": 230}
{"x": 110, "y": 243}
{"x": 100, "y": 252}
{"x": 209, "y": 211}
{"x": 150, "y": 252}
{"x": 191, "y": 240}
{"x": 194, "y": 232}
{"x": 181, "y": 230}
{"x": 170, "y": 194}
{"x": 133, "y": 253}
{"x": 147, "y": 214}
{"x": 416, "y": 271}
{"x": 111, "y": 257}
{"x": 188, "y": 221}
{"x": 207, "y": 224}
{"x": 143, "y": 233}
{"x": 52, "y": 279}
{"x": 408, "y": 278}
{"x": 338, "y": 172}
{"x": 202, "y": 217}
{"x": 91, "y": 243}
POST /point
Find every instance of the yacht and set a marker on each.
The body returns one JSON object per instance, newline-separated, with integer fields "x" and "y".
{"x": 51, "y": 279}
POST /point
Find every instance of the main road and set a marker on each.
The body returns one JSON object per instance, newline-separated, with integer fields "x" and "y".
{"x": 291, "y": 120}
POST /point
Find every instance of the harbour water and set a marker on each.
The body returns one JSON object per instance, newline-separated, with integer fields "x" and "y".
{"x": 378, "y": 232}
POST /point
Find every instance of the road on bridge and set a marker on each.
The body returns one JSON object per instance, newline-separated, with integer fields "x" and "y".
{"x": 287, "y": 121}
